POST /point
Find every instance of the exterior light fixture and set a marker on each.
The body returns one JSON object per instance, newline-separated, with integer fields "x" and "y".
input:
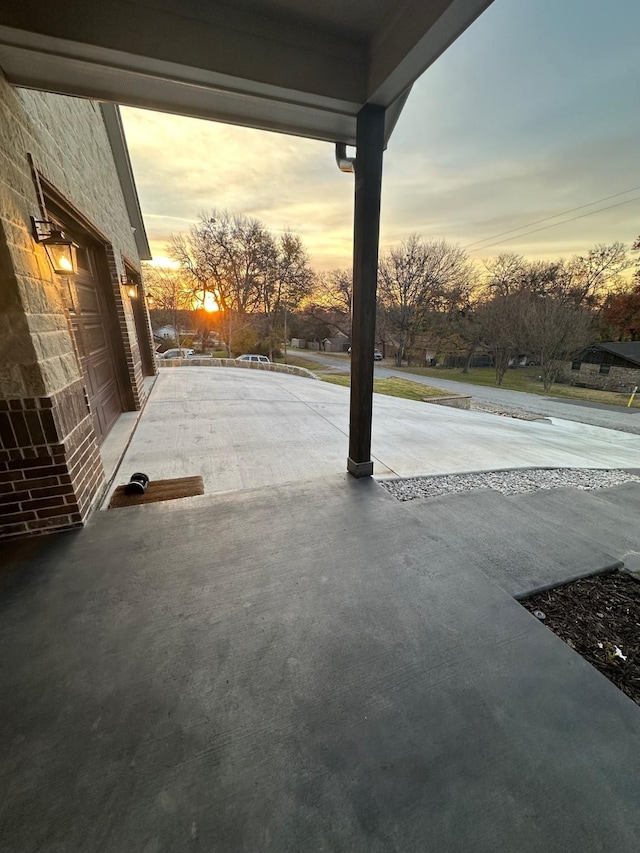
{"x": 131, "y": 286}
{"x": 59, "y": 248}
{"x": 150, "y": 301}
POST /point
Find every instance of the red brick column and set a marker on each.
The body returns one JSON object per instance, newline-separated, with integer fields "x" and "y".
{"x": 129, "y": 338}
{"x": 50, "y": 466}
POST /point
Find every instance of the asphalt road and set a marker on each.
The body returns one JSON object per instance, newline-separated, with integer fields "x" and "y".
{"x": 597, "y": 414}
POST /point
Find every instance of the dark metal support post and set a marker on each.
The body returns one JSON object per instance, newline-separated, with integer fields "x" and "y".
{"x": 366, "y": 239}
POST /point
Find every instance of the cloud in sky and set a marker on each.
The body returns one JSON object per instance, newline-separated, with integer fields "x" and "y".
{"x": 533, "y": 111}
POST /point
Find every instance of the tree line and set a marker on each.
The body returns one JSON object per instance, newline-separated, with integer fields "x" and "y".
{"x": 235, "y": 264}
{"x": 431, "y": 296}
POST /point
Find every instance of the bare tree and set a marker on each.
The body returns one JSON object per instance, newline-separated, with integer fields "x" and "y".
{"x": 582, "y": 280}
{"x": 504, "y": 273}
{"x": 229, "y": 256}
{"x": 327, "y": 308}
{"x": 468, "y": 325}
{"x": 418, "y": 278}
{"x": 287, "y": 280}
{"x": 171, "y": 293}
{"x": 545, "y": 308}
{"x": 404, "y": 290}
{"x": 500, "y": 322}
{"x": 588, "y": 277}
{"x": 546, "y": 278}
{"x": 340, "y": 290}
{"x": 556, "y": 331}
{"x": 452, "y": 313}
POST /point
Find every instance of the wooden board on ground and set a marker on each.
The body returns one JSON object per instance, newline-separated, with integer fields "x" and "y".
{"x": 159, "y": 490}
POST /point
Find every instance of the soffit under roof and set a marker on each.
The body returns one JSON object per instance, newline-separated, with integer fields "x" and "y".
{"x": 304, "y": 67}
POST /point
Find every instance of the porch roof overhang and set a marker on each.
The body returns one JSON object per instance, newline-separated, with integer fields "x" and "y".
{"x": 302, "y": 67}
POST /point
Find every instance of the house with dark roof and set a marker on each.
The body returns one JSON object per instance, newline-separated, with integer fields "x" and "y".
{"x": 609, "y": 366}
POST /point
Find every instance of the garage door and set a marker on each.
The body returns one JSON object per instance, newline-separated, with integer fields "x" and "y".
{"x": 90, "y": 325}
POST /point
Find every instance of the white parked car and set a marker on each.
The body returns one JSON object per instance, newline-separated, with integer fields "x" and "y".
{"x": 258, "y": 359}
{"x": 181, "y": 352}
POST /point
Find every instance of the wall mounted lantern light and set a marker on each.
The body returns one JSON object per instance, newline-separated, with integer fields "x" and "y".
{"x": 130, "y": 285}
{"x": 59, "y": 248}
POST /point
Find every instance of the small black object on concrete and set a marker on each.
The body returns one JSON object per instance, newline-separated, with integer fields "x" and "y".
{"x": 137, "y": 484}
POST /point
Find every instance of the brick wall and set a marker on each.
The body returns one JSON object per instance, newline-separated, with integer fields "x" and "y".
{"x": 50, "y": 468}
{"x": 128, "y": 330}
{"x": 622, "y": 379}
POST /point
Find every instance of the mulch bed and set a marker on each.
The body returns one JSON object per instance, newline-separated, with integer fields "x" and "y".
{"x": 599, "y": 617}
{"x": 159, "y": 490}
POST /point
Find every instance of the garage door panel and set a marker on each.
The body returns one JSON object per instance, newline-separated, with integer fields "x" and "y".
{"x": 88, "y": 298}
{"x": 107, "y": 408}
{"x": 91, "y": 329}
{"x": 96, "y": 341}
{"x": 103, "y": 372}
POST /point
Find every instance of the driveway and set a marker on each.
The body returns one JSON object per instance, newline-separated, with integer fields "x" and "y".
{"x": 610, "y": 417}
{"x": 245, "y": 429}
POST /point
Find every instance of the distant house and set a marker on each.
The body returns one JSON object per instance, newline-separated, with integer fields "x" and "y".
{"x": 337, "y": 343}
{"x": 422, "y": 351}
{"x": 611, "y": 366}
{"x": 167, "y": 333}
{"x": 460, "y": 361}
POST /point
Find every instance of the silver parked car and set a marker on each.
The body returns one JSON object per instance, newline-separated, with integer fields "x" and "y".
{"x": 257, "y": 359}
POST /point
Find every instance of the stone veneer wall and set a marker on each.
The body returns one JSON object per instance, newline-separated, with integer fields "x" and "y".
{"x": 50, "y": 467}
{"x": 622, "y": 379}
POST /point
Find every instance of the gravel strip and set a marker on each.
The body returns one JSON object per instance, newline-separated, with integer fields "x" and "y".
{"x": 507, "y": 482}
{"x": 519, "y": 414}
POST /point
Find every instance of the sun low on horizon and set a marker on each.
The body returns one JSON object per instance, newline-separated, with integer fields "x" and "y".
{"x": 207, "y": 301}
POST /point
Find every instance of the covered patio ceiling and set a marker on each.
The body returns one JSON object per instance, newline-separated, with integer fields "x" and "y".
{"x": 326, "y": 69}
{"x": 304, "y": 67}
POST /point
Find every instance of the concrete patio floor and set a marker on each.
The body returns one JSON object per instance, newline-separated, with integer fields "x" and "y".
{"x": 314, "y": 666}
{"x": 245, "y": 429}
{"x": 309, "y": 667}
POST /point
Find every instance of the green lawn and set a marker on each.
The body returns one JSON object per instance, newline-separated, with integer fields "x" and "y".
{"x": 393, "y": 387}
{"x": 521, "y": 379}
{"x": 301, "y": 362}
{"x": 343, "y": 355}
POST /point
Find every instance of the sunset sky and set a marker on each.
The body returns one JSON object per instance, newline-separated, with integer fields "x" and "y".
{"x": 533, "y": 111}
